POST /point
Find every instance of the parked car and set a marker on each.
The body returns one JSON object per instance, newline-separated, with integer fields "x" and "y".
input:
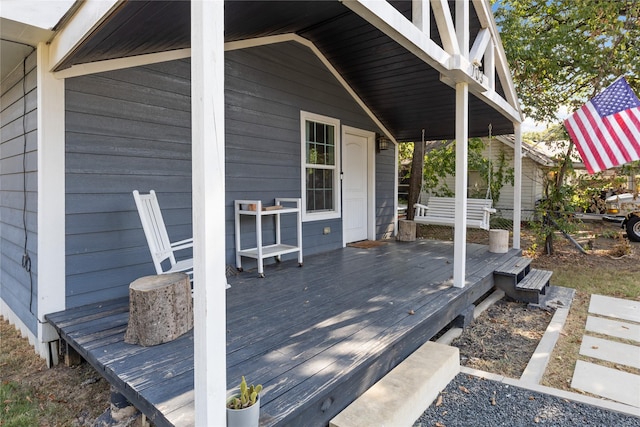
{"x": 620, "y": 205}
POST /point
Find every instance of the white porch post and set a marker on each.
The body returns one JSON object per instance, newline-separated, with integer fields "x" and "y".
{"x": 207, "y": 122}
{"x": 462, "y": 152}
{"x": 51, "y": 198}
{"x": 517, "y": 184}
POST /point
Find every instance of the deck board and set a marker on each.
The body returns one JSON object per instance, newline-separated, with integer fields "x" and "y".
{"x": 338, "y": 323}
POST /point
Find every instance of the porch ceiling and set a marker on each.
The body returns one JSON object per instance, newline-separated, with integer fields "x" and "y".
{"x": 405, "y": 93}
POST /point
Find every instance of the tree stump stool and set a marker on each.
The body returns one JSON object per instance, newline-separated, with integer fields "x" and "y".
{"x": 406, "y": 231}
{"x": 160, "y": 309}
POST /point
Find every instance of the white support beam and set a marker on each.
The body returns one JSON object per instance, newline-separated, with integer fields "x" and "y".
{"x": 87, "y": 18}
{"x": 483, "y": 12}
{"x": 480, "y": 45}
{"x": 121, "y": 63}
{"x": 494, "y": 99}
{"x": 446, "y": 28}
{"x": 51, "y": 195}
{"x": 487, "y": 95}
{"x": 460, "y": 214}
{"x": 462, "y": 27}
{"x": 485, "y": 16}
{"x": 208, "y": 186}
{"x": 490, "y": 66}
{"x": 391, "y": 22}
{"x": 517, "y": 183}
{"x": 421, "y": 14}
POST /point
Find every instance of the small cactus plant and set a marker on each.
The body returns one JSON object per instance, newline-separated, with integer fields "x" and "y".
{"x": 247, "y": 397}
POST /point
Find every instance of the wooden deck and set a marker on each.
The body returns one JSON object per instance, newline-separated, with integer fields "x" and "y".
{"x": 316, "y": 337}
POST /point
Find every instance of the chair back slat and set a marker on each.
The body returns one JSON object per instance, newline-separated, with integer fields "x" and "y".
{"x": 154, "y": 228}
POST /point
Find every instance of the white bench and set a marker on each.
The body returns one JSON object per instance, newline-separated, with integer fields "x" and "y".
{"x": 441, "y": 211}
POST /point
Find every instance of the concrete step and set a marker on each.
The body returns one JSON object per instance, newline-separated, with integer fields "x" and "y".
{"x": 400, "y": 397}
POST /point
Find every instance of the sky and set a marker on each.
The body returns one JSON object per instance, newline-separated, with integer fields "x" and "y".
{"x": 529, "y": 125}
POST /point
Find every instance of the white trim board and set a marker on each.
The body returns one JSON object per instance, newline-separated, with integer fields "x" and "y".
{"x": 86, "y": 19}
{"x": 121, "y": 63}
{"x": 51, "y": 213}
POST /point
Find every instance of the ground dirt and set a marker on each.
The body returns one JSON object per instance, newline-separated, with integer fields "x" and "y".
{"x": 503, "y": 338}
{"x": 65, "y": 396}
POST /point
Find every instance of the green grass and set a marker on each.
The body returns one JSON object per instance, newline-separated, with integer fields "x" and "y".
{"x": 19, "y": 408}
{"x": 611, "y": 282}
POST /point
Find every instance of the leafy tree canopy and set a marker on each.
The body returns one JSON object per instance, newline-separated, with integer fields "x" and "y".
{"x": 563, "y": 52}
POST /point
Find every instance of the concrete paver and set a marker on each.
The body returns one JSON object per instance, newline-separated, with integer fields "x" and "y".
{"x": 615, "y": 307}
{"x": 613, "y": 328}
{"x": 611, "y": 351}
{"x": 600, "y": 380}
{"x": 607, "y": 382}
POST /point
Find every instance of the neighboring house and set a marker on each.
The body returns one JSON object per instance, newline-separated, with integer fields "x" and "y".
{"x": 538, "y": 159}
{"x": 129, "y": 95}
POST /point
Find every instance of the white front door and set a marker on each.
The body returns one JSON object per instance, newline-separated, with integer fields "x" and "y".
{"x": 357, "y": 184}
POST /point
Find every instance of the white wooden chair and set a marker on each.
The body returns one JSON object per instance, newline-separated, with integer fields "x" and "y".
{"x": 157, "y": 238}
{"x": 440, "y": 211}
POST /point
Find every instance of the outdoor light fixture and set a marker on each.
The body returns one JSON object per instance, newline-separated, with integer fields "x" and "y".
{"x": 384, "y": 143}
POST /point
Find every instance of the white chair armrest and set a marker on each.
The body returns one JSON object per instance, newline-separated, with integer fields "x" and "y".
{"x": 420, "y": 209}
{"x": 182, "y": 244}
{"x": 490, "y": 210}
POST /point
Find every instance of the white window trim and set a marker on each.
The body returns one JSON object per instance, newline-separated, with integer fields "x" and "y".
{"x": 336, "y": 212}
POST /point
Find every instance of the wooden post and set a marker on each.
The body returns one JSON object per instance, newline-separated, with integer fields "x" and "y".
{"x": 207, "y": 119}
{"x": 51, "y": 283}
{"x": 517, "y": 184}
{"x": 160, "y": 309}
{"x": 462, "y": 152}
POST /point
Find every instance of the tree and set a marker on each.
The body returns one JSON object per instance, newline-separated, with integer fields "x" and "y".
{"x": 415, "y": 177}
{"x": 564, "y": 52}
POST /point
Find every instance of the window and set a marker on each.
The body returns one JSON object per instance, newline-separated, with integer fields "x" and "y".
{"x": 320, "y": 172}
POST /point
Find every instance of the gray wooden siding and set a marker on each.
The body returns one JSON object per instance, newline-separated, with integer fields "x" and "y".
{"x": 18, "y": 288}
{"x": 126, "y": 130}
{"x": 130, "y": 129}
{"x": 266, "y": 87}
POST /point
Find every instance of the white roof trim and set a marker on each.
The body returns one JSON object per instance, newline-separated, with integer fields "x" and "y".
{"x": 120, "y": 63}
{"x": 90, "y": 14}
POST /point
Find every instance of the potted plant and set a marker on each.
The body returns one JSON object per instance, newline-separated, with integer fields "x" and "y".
{"x": 243, "y": 406}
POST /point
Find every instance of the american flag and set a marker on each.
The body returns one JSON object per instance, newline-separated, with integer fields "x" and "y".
{"x": 606, "y": 130}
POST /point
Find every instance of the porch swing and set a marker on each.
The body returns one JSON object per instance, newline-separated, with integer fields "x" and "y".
{"x": 440, "y": 210}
